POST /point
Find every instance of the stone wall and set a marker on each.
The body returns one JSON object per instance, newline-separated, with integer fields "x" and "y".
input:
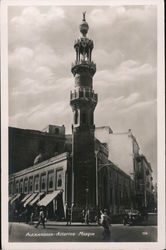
{"x": 25, "y": 145}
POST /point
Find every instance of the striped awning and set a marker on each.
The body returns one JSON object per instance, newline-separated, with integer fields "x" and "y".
{"x": 26, "y": 197}
{"x": 11, "y": 197}
{"x": 32, "y": 196}
{"x": 15, "y": 198}
{"x": 48, "y": 198}
{"x": 36, "y": 199}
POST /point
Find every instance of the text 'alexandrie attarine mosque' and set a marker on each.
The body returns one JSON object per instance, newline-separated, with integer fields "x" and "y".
{"x": 81, "y": 171}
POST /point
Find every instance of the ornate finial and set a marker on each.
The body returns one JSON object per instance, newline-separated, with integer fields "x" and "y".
{"x": 84, "y": 25}
{"x": 84, "y": 13}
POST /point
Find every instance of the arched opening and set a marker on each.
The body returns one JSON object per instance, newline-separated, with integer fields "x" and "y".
{"x": 76, "y": 117}
{"x": 57, "y": 131}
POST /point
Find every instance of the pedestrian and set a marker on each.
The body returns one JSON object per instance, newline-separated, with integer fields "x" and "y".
{"x": 87, "y": 217}
{"x": 41, "y": 218}
{"x": 106, "y": 222}
{"x": 28, "y": 214}
{"x": 68, "y": 215}
{"x": 97, "y": 218}
{"x": 31, "y": 218}
{"x": 83, "y": 215}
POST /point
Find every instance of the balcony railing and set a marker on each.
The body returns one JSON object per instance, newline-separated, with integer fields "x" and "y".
{"x": 84, "y": 95}
{"x": 84, "y": 62}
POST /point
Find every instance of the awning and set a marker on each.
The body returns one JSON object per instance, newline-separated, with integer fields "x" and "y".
{"x": 48, "y": 198}
{"x": 15, "y": 198}
{"x": 26, "y": 197}
{"x": 11, "y": 197}
{"x": 30, "y": 199}
{"x": 36, "y": 199}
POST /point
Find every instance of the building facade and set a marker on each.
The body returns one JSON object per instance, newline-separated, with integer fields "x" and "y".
{"x": 114, "y": 186}
{"x": 144, "y": 183}
{"x": 122, "y": 147}
{"x": 33, "y": 143}
{"x": 123, "y": 151}
{"x": 33, "y": 186}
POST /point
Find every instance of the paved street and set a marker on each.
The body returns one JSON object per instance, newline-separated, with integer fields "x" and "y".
{"x": 80, "y": 233}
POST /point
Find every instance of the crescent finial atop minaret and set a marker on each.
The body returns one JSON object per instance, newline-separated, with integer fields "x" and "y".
{"x": 84, "y": 13}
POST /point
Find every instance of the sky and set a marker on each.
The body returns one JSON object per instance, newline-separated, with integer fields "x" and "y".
{"x": 40, "y": 45}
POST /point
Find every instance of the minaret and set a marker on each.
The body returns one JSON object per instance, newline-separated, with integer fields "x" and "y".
{"x": 83, "y": 101}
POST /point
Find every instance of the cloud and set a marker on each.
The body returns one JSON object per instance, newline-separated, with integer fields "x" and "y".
{"x": 41, "y": 50}
{"x": 21, "y": 58}
{"x": 34, "y": 22}
{"x": 129, "y": 76}
{"x": 138, "y": 106}
{"x": 132, "y": 30}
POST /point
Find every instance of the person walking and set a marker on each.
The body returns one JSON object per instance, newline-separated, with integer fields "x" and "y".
{"x": 41, "y": 218}
{"x": 83, "y": 215}
{"x": 87, "y": 217}
{"x": 106, "y": 222}
{"x": 68, "y": 215}
{"x": 31, "y": 217}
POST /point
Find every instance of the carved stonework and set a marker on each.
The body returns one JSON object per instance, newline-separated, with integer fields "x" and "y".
{"x": 82, "y": 67}
{"x": 83, "y": 101}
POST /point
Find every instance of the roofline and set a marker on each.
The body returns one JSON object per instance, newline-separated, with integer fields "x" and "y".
{"x": 42, "y": 164}
{"x": 116, "y": 168}
{"x": 110, "y": 130}
{"x": 33, "y": 132}
{"x": 148, "y": 163}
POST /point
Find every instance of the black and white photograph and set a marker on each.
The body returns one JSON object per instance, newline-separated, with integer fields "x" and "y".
{"x": 83, "y": 125}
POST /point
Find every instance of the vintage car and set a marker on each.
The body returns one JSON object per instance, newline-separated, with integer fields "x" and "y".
{"x": 132, "y": 217}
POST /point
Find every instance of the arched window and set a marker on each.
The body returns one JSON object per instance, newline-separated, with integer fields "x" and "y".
{"x": 51, "y": 183}
{"x": 76, "y": 117}
{"x": 21, "y": 187}
{"x": 59, "y": 181}
{"x": 57, "y": 131}
{"x": 50, "y": 180}
{"x": 37, "y": 183}
{"x": 17, "y": 187}
{"x": 81, "y": 93}
{"x": 43, "y": 185}
{"x": 25, "y": 185}
{"x": 30, "y": 184}
{"x": 43, "y": 181}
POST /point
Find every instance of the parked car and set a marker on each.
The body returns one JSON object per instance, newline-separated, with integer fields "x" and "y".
{"x": 132, "y": 217}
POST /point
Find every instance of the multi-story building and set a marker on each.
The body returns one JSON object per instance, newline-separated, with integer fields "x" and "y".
{"x": 114, "y": 186}
{"x": 47, "y": 183}
{"x": 123, "y": 151}
{"x": 122, "y": 148}
{"x": 143, "y": 183}
{"x": 33, "y": 144}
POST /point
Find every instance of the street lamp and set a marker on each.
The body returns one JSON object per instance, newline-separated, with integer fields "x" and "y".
{"x": 96, "y": 153}
{"x": 145, "y": 198}
{"x": 87, "y": 190}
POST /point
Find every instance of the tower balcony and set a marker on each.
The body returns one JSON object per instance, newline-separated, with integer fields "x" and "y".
{"x": 83, "y": 66}
{"x": 83, "y": 95}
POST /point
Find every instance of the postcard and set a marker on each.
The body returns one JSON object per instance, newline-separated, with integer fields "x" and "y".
{"x": 83, "y": 150}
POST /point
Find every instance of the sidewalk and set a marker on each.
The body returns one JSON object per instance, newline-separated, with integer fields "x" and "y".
{"x": 63, "y": 223}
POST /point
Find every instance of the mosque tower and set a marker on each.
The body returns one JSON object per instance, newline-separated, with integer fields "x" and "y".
{"x": 83, "y": 101}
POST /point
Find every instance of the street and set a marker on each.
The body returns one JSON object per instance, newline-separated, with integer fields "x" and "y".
{"x": 21, "y": 232}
